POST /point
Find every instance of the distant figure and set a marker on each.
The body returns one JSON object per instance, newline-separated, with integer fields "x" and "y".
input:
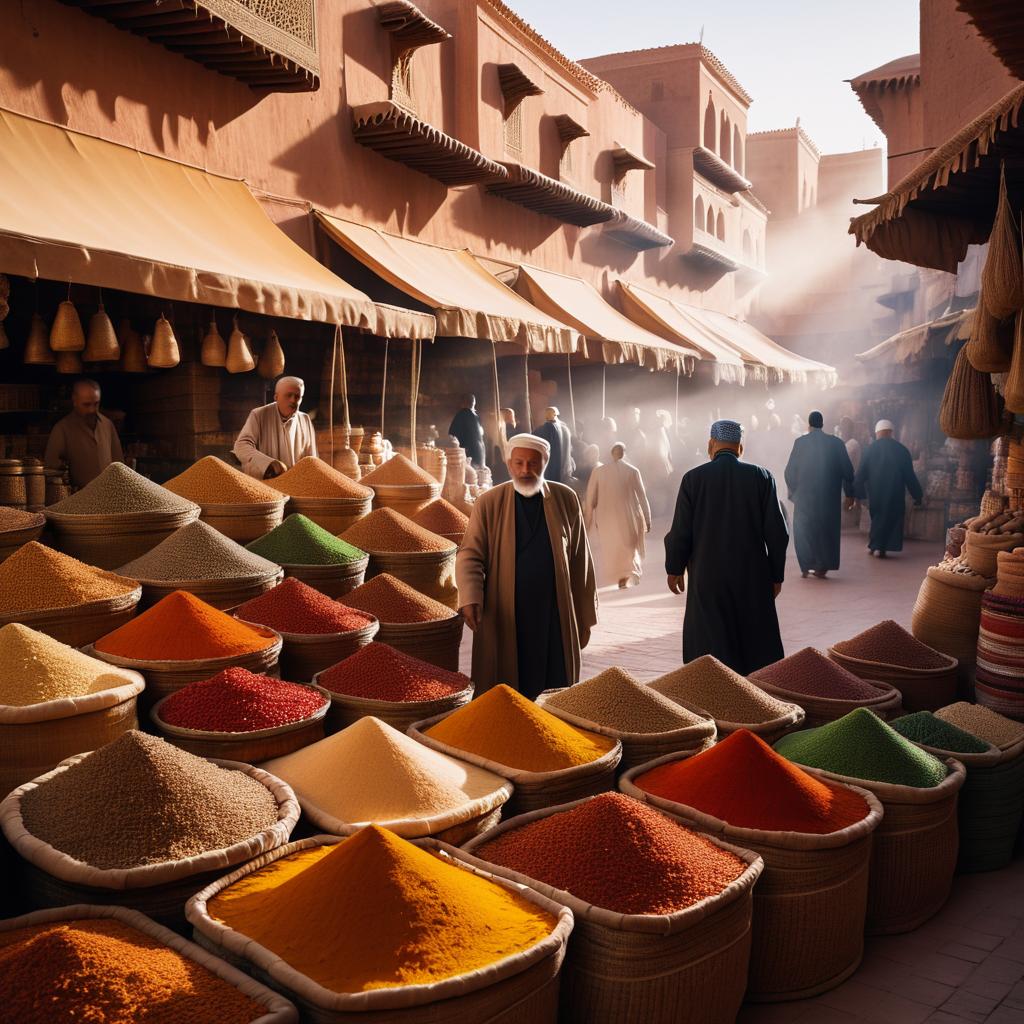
{"x": 590, "y": 459}
{"x": 729, "y": 536}
{"x": 886, "y": 472}
{"x": 817, "y": 474}
{"x": 607, "y": 434}
{"x": 618, "y": 511}
{"x": 635, "y": 438}
{"x": 556, "y": 432}
{"x": 467, "y": 429}
{"x": 277, "y": 435}
{"x": 848, "y": 435}
{"x": 85, "y": 440}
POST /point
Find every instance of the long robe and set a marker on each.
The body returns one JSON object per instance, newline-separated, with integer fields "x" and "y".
{"x": 819, "y": 471}
{"x": 886, "y": 473}
{"x": 467, "y": 429}
{"x": 84, "y": 449}
{"x": 485, "y": 571}
{"x": 729, "y": 535}
{"x": 266, "y": 438}
{"x": 619, "y": 515}
{"x": 560, "y": 462}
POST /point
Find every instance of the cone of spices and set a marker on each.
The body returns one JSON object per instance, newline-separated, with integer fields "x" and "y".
{"x": 444, "y": 519}
{"x": 401, "y": 485}
{"x": 318, "y": 491}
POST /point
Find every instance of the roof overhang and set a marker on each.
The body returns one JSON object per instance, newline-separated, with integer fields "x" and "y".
{"x": 1001, "y": 24}
{"x": 636, "y": 233}
{"x": 527, "y": 187}
{"x": 717, "y": 171}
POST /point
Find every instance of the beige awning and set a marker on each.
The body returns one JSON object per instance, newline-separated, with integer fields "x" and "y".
{"x": 578, "y": 303}
{"x": 907, "y": 346}
{"x": 77, "y": 208}
{"x": 467, "y": 301}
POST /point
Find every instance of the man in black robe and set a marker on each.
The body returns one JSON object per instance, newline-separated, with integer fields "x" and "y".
{"x": 819, "y": 471}
{"x": 730, "y": 537}
{"x": 886, "y": 473}
{"x": 556, "y": 432}
{"x": 467, "y": 429}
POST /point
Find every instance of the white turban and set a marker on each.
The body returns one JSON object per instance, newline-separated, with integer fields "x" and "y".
{"x": 297, "y": 382}
{"x": 883, "y": 425}
{"x": 537, "y": 444}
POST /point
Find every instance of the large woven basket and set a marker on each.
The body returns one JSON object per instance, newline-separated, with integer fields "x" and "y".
{"x": 246, "y": 747}
{"x": 689, "y": 967}
{"x": 534, "y": 790}
{"x": 810, "y": 902}
{"x": 430, "y": 572}
{"x": 81, "y": 623}
{"x": 400, "y": 714}
{"x": 947, "y": 613}
{"x": 52, "y": 878}
{"x": 108, "y": 541}
{"x": 405, "y": 498}
{"x": 335, "y": 515}
{"x": 437, "y": 641}
{"x": 981, "y": 550}
{"x": 35, "y": 739}
{"x": 522, "y": 989}
{"x": 770, "y": 731}
{"x": 332, "y": 580}
{"x": 277, "y": 1009}
{"x": 641, "y": 747}
{"x": 244, "y": 523}
{"x": 921, "y": 689}
{"x": 305, "y": 655}
{"x": 821, "y": 710}
{"x": 221, "y": 593}
{"x": 11, "y": 540}
{"x": 914, "y": 852}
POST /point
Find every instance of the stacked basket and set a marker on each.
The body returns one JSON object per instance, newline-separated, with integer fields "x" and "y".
{"x": 999, "y": 675}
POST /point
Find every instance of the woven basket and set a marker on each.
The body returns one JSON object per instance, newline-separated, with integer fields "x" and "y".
{"x": 810, "y": 902}
{"x": 277, "y": 1010}
{"x": 52, "y": 878}
{"x": 35, "y": 739}
{"x": 332, "y": 580}
{"x": 981, "y": 550}
{"x": 221, "y": 593}
{"x": 922, "y": 689}
{"x": 81, "y": 623}
{"x": 335, "y": 515}
{"x": 887, "y": 704}
{"x": 405, "y": 498}
{"x": 522, "y": 989}
{"x": 689, "y": 967}
{"x": 11, "y": 540}
{"x": 245, "y": 747}
{"x": 913, "y": 856}
{"x": 771, "y": 731}
{"x": 641, "y": 747}
{"x": 534, "y": 790}
{"x": 947, "y": 613}
{"x": 244, "y": 523}
{"x": 437, "y": 641}
{"x": 430, "y": 572}
{"x": 305, "y": 655}
{"x": 111, "y": 540}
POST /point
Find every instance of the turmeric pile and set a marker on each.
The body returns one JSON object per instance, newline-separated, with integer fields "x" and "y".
{"x": 398, "y": 470}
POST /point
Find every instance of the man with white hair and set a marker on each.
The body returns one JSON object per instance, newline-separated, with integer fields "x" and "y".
{"x": 886, "y": 472}
{"x": 526, "y": 578}
{"x": 277, "y": 435}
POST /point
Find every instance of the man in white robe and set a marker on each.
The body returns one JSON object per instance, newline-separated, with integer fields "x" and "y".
{"x": 618, "y": 511}
{"x": 277, "y": 435}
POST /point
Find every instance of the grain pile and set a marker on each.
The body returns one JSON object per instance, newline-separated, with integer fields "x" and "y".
{"x": 724, "y": 694}
{"x": 13, "y": 519}
{"x": 810, "y": 672}
{"x": 389, "y": 532}
{"x": 618, "y": 701}
{"x": 890, "y": 644}
{"x": 295, "y": 607}
{"x": 983, "y": 722}
{"x": 300, "y": 541}
{"x": 140, "y": 800}
{"x": 211, "y": 481}
{"x": 925, "y": 728}
{"x": 313, "y": 478}
{"x": 117, "y": 490}
{"x": 36, "y": 578}
{"x": 619, "y": 854}
{"x": 379, "y": 672}
{"x": 372, "y": 772}
{"x": 394, "y": 602}
{"x": 197, "y": 552}
{"x": 398, "y": 470}
{"x": 862, "y": 746}
{"x": 441, "y": 517}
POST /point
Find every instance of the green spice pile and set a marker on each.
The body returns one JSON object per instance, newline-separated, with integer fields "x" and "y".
{"x": 983, "y": 722}
{"x": 119, "y": 489}
{"x": 211, "y": 481}
{"x": 890, "y": 644}
{"x": 924, "y": 727}
{"x": 862, "y": 746}
{"x": 300, "y": 541}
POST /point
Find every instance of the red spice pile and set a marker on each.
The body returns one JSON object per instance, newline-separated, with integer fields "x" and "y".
{"x": 394, "y": 601}
{"x": 619, "y": 854}
{"x": 379, "y": 672}
{"x": 810, "y": 672}
{"x": 295, "y": 607}
{"x": 744, "y": 782}
{"x": 891, "y": 644}
{"x": 237, "y": 700}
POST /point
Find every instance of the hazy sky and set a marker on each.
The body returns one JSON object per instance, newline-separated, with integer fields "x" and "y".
{"x": 792, "y": 56}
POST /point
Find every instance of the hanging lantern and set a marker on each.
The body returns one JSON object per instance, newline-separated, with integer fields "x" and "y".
{"x": 214, "y": 351}
{"x": 101, "y": 346}
{"x": 271, "y": 362}
{"x": 66, "y": 333}
{"x": 69, "y": 362}
{"x": 37, "y": 348}
{"x": 133, "y": 350}
{"x": 163, "y": 352}
{"x": 239, "y": 359}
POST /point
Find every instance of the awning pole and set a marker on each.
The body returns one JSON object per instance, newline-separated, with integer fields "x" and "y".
{"x": 384, "y": 386}
{"x": 498, "y": 430}
{"x": 526, "y": 382}
{"x": 330, "y": 404}
{"x": 572, "y": 400}
{"x": 604, "y": 381}
{"x": 417, "y": 360}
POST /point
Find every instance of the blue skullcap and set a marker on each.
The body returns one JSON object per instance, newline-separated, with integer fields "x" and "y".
{"x": 726, "y": 431}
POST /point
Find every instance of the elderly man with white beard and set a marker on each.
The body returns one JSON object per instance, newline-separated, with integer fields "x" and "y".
{"x": 526, "y": 578}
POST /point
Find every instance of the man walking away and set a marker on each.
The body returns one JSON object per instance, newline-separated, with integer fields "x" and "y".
{"x": 886, "y": 472}
{"x": 729, "y": 536}
{"x": 467, "y": 429}
{"x": 556, "y": 432}
{"x": 817, "y": 474}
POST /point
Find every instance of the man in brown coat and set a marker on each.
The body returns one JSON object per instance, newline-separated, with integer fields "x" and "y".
{"x": 526, "y": 579}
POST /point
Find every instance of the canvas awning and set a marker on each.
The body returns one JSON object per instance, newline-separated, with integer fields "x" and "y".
{"x": 80, "y": 209}
{"x": 907, "y": 346}
{"x": 467, "y": 301}
{"x": 579, "y": 303}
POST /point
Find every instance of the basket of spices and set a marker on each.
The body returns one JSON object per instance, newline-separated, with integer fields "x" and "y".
{"x": 142, "y": 824}
{"x": 444, "y": 519}
{"x": 323, "y": 495}
{"x": 814, "y": 837}
{"x": 126, "y": 967}
{"x": 311, "y": 554}
{"x": 56, "y": 701}
{"x": 370, "y": 773}
{"x": 237, "y": 715}
{"x": 237, "y": 505}
{"x": 824, "y": 689}
{"x": 449, "y": 944}
{"x": 401, "y": 485}
{"x": 398, "y": 546}
{"x": 887, "y": 653}
{"x": 116, "y": 517}
{"x": 397, "y": 688}
{"x": 201, "y": 560}
{"x": 182, "y": 639}
{"x": 18, "y": 527}
{"x": 663, "y": 936}
{"x": 63, "y": 597}
{"x": 913, "y": 855}
{"x": 731, "y": 700}
{"x": 646, "y": 723}
{"x": 316, "y": 630}
{"x": 947, "y": 612}
{"x": 547, "y": 760}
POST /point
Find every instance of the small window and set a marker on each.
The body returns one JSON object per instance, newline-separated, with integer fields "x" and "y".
{"x": 710, "y": 120}
{"x": 698, "y": 213}
{"x": 737, "y": 149}
{"x": 657, "y": 89}
{"x": 711, "y": 221}
{"x": 720, "y": 233}
{"x": 725, "y": 140}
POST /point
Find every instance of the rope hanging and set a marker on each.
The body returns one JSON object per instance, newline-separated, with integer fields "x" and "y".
{"x": 344, "y": 378}
{"x": 417, "y": 358}
{"x": 499, "y": 431}
{"x": 526, "y": 392}
{"x": 384, "y": 386}
{"x": 604, "y": 381}
{"x": 330, "y": 404}
{"x": 572, "y": 400}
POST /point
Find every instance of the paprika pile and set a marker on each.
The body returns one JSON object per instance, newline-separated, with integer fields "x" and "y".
{"x": 379, "y": 672}
{"x": 295, "y": 607}
{"x": 394, "y": 602}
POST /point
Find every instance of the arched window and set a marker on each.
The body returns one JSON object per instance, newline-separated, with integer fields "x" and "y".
{"x": 720, "y": 233}
{"x": 709, "y": 125}
{"x": 737, "y": 149}
{"x": 711, "y": 221}
{"x": 803, "y": 198}
{"x": 698, "y": 213}
{"x": 759, "y": 252}
{"x": 748, "y": 247}
{"x": 725, "y": 140}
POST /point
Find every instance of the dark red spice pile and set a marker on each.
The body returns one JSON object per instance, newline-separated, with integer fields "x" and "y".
{"x": 295, "y": 607}
{"x": 810, "y": 672}
{"x": 379, "y": 672}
